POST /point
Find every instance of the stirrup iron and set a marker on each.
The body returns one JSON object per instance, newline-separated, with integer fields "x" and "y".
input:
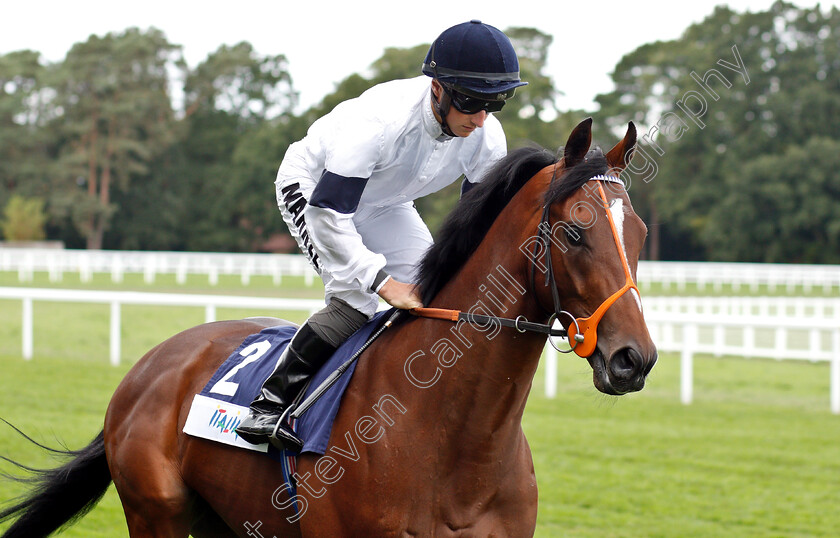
{"x": 282, "y": 438}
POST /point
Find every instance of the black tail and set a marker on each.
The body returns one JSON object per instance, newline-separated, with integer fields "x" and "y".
{"x": 59, "y": 496}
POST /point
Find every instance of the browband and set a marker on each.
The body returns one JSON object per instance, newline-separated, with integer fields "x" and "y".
{"x": 611, "y": 179}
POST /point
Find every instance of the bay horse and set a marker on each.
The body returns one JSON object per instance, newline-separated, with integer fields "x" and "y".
{"x": 428, "y": 440}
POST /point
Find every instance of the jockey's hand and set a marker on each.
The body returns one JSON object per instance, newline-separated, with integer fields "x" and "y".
{"x": 400, "y": 295}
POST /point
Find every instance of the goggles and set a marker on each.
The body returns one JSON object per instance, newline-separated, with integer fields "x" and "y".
{"x": 469, "y": 104}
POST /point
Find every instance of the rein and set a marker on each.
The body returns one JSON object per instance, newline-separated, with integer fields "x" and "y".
{"x": 586, "y": 329}
{"x": 520, "y": 323}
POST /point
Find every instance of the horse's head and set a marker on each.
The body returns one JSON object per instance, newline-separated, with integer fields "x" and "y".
{"x": 595, "y": 239}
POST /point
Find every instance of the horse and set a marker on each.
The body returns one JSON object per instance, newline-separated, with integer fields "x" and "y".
{"x": 428, "y": 440}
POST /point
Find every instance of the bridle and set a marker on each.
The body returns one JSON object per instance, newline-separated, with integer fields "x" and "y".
{"x": 585, "y": 334}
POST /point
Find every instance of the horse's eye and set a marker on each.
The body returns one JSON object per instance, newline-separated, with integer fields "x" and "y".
{"x": 574, "y": 235}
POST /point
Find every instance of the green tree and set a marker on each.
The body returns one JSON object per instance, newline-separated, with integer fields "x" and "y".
{"x": 238, "y": 115}
{"x": 787, "y": 94}
{"x": 23, "y": 219}
{"x": 24, "y": 144}
{"x": 242, "y": 83}
{"x": 113, "y": 110}
{"x": 781, "y": 208}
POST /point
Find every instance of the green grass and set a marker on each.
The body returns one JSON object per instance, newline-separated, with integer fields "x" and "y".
{"x": 57, "y": 401}
{"x": 756, "y": 454}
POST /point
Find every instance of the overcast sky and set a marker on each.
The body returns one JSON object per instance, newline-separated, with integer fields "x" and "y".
{"x": 326, "y": 41}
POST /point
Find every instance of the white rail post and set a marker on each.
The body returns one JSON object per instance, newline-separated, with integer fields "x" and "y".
{"x": 85, "y": 270}
{"x": 150, "y": 270}
{"x": 835, "y": 371}
{"x": 27, "y": 328}
{"x": 209, "y": 313}
{"x": 687, "y": 363}
{"x": 116, "y": 268}
{"x": 749, "y": 342}
{"x": 181, "y": 271}
{"x": 54, "y": 269}
{"x": 115, "y": 333}
{"x": 550, "y": 371}
{"x": 719, "y": 339}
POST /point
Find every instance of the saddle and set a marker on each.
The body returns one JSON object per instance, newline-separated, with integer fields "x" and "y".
{"x": 223, "y": 402}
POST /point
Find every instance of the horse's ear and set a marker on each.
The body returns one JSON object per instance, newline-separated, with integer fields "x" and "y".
{"x": 620, "y": 155}
{"x": 578, "y": 144}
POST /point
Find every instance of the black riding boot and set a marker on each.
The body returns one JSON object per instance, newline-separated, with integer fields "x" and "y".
{"x": 301, "y": 359}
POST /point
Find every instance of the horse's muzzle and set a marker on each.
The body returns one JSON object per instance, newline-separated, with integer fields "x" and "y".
{"x": 625, "y": 371}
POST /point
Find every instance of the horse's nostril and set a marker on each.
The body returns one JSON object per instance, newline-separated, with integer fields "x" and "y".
{"x": 624, "y": 363}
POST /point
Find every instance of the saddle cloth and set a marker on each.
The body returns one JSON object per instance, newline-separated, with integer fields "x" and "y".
{"x": 223, "y": 403}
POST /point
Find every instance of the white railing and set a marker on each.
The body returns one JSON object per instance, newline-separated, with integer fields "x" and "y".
{"x": 747, "y": 276}
{"x": 781, "y": 306}
{"x": 117, "y": 263}
{"x": 670, "y": 275}
{"x": 802, "y": 328}
{"x": 118, "y": 298}
{"x": 793, "y": 337}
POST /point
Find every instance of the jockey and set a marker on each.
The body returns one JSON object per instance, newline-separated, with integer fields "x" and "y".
{"x": 346, "y": 192}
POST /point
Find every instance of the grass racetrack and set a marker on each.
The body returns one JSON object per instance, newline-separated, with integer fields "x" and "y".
{"x": 756, "y": 454}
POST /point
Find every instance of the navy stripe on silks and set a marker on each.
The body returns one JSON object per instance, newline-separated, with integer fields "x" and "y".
{"x": 337, "y": 192}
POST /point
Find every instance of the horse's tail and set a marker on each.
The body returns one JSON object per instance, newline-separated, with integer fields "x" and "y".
{"x": 59, "y": 496}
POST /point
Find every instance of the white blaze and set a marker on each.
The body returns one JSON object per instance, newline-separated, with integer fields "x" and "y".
{"x": 617, "y": 210}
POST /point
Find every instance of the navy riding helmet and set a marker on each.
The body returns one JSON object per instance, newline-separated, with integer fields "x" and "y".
{"x": 473, "y": 60}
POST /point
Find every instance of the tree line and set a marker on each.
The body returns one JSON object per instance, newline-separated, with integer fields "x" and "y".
{"x": 121, "y": 145}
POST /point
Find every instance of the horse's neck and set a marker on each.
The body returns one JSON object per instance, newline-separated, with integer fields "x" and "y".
{"x": 486, "y": 389}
